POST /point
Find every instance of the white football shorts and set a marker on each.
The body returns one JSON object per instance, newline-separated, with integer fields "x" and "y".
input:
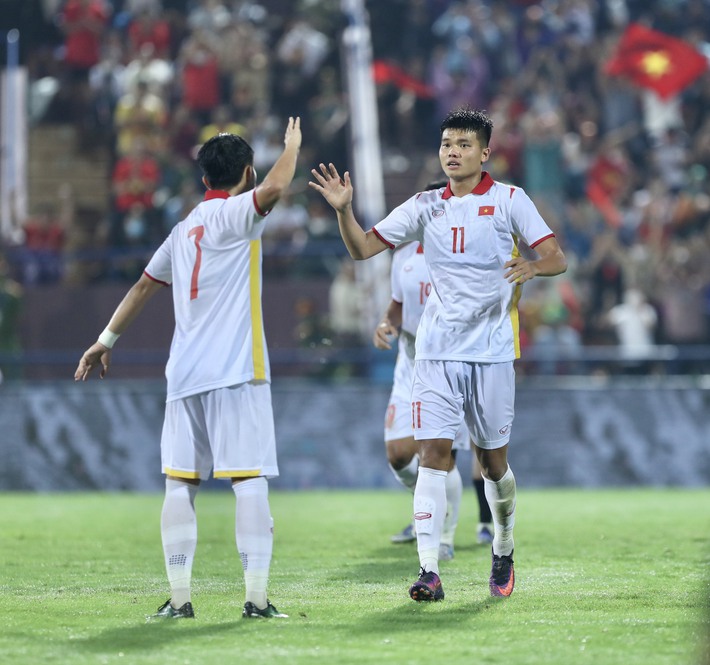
{"x": 398, "y": 417}
{"x": 484, "y": 392}
{"x": 227, "y": 430}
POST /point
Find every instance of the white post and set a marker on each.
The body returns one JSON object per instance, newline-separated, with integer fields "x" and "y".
{"x": 13, "y": 138}
{"x": 366, "y": 162}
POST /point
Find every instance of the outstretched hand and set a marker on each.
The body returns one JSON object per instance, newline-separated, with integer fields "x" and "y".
{"x": 293, "y": 132}
{"x": 336, "y": 190}
{"x": 96, "y": 354}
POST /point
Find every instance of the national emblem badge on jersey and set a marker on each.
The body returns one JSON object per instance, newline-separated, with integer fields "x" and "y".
{"x": 486, "y": 210}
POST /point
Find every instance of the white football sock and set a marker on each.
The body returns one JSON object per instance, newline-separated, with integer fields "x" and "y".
{"x": 454, "y": 491}
{"x": 429, "y": 512}
{"x": 501, "y": 498}
{"x": 178, "y": 529}
{"x": 254, "y": 530}
{"x": 407, "y": 475}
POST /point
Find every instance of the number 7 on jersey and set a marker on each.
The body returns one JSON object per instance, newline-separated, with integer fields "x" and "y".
{"x": 196, "y": 232}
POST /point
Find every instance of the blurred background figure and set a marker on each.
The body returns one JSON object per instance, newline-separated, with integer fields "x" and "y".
{"x": 345, "y": 314}
{"x": 634, "y": 321}
{"x": 11, "y": 297}
{"x": 619, "y": 169}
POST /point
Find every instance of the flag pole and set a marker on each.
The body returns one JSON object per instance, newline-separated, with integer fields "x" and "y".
{"x": 365, "y": 157}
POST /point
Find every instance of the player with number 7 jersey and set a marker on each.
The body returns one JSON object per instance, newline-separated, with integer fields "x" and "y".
{"x": 218, "y": 415}
{"x": 212, "y": 258}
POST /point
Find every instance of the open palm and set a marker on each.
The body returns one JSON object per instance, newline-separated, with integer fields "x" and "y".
{"x": 336, "y": 190}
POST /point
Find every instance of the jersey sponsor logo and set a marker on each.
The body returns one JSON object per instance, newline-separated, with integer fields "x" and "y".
{"x": 504, "y": 430}
{"x": 408, "y": 268}
{"x": 437, "y": 213}
{"x": 422, "y": 516}
{"x": 486, "y": 210}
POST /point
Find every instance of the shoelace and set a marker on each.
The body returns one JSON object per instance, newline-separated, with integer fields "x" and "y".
{"x": 501, "y": 568}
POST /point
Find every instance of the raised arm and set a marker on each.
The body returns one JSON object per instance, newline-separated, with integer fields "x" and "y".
{"x": 551, "y": 262}
{"x": 131, "y": 305}
{"x": 281, "y": 174}
{"x": 339, "y": 194}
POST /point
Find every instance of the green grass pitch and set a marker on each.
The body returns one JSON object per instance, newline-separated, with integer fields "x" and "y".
{"x": 602, "y": 577}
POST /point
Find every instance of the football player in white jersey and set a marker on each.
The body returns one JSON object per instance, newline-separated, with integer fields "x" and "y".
{"x": 218, "y": 415}
{"x": 467, "y": 338}
{"x": 410, "y": 286}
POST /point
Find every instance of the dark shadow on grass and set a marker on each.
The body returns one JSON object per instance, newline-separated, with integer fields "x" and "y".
{"x": 394, "y": 561}
{"x": 382, "y": 563}
{"x": 425, "y": 616}
{"x": 150, "y": 635}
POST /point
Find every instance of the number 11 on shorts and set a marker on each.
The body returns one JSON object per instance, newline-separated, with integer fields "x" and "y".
{"x": 416, "y": 415}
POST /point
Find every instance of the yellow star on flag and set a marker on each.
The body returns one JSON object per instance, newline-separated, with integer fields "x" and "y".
{"x": 656, "y": 63}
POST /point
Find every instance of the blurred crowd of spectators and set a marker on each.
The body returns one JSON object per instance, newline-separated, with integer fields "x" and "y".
{"x": 619, "y": 174}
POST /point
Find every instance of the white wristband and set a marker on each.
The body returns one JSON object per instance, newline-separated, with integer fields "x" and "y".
{"x": 108, "y": 338}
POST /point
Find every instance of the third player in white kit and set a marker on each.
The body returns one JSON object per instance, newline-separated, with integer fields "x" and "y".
{"x": 410, "y": 290}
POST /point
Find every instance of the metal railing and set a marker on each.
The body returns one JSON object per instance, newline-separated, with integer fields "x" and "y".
{"x": 664, "y": 360}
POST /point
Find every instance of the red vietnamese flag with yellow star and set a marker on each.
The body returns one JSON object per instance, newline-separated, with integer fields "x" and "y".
{"x": 654, "y": 60}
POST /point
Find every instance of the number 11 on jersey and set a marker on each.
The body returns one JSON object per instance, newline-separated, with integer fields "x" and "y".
{"x": 457, "y": 246}
{"x": 416, "y": 415}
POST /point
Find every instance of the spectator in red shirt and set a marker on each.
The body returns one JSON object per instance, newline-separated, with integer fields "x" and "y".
{"x": 135, "y": 178}
{"x": 200, "y": 76}
{"x": 147, "y": 28}
{"x": 44, "y": 242}
{"x": 83, "y": 23}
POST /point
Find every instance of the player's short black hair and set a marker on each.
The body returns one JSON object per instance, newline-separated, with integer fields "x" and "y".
{"x": 470, "y": 120}
{"x": 223, "y": 159}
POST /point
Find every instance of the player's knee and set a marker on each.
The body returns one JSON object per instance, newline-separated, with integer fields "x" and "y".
{"x": 493, "y": 462}
{"x": 398, "y": 459}
{"x": 400, "y": 452}
{"x": 435, "y": 454}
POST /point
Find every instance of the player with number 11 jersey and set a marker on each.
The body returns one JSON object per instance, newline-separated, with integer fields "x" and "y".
{"x": 471, "y": 314}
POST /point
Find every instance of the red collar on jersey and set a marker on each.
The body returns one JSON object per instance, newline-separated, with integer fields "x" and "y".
{"x": 481, "y": 188}
{"x": 216, "y": 194}
{"x": 420, "y": 249}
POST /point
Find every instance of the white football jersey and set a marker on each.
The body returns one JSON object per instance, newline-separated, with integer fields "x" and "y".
{"x": 411, "y": 287}
{"x": 471, "y": 314}
{"x": 213, "y": 261}
{"x": 410, "y": 284}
